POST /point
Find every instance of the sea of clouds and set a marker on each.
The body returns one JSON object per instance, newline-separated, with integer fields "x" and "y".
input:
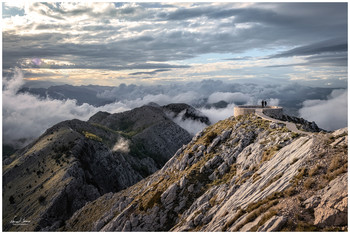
{"x": 26, "y": 116}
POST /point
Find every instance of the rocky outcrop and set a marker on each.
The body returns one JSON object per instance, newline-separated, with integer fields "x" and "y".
{"x": 75, "y": 162}
{"x": 302, "y": 124}
{"x": 241, "y": 174}
{"x": 331, "y": 207}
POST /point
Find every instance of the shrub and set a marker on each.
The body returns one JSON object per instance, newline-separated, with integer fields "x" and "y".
{"x": 210, "y": 137}
{"x": 335, "y": 164}
{"x": 269, "y": 153}
{"x": 305, "y": 227}
{"x": 309, "y": 183}
{"x": 212, "y": 201}
{"x": 263, "y": 220}
{"x": 152, "y": 201}
{"x": 301, "y": 174}
{"x": 331, "y": 175}
{"x": 233, "y": 220}
{"x": 313, "y": 171}
{"x": 290, "y": 191}
{"x": 92, "y": 136}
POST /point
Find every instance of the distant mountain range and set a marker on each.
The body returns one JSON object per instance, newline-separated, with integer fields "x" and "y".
{"x": 140, "y": 171}
{"x": 290, "y": 98}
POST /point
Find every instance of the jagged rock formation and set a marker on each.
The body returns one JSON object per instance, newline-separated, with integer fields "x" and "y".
{"x": 301, "y": 123}
{"x": 237, "y": 175}
{"x": 75, "y": 162}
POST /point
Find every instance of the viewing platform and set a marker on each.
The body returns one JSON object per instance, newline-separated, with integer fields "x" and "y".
{"x": 269, "y": 113}
{"x": 273, "y": 111}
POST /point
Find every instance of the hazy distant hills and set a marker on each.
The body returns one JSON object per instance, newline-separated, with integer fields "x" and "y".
{"x": 290, "y": 97}
{"x": 240, "y": 174}
{"x": 75, "y": 161}
{"x": 83, "y": 94}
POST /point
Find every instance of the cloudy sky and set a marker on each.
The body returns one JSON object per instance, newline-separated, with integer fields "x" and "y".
{"x": 162, "y": 43}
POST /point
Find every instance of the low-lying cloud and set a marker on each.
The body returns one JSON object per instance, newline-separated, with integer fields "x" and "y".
{"x": 26, "y": 116}
{"x": 216, "y": 115}
{"x": 122, "y": 145}
{"x": 330, "y": 114}
{"x": 191, "y": 126}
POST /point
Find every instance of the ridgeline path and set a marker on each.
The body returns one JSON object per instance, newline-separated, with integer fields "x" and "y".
{"x": 290, "y": 126}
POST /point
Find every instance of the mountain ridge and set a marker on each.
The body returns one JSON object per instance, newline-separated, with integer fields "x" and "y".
{"x": 237, "y": 175}
{"x": 85, "y": 160}
{"x": 243, "y": 173}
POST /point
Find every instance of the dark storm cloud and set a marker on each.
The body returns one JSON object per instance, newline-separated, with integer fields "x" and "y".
{"x": 330, "y": 52}
{"x": 329, "y": 46}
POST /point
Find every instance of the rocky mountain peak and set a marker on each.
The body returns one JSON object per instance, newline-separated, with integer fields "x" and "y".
{"x": 75, "y": 161}
{"x": 241, "y": 174}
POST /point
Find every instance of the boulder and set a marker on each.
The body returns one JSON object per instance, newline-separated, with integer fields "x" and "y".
{"x": 225, "y": 134}
{"x": 213, "y": 162}
{"x": 213, "y": 144}
{"x": 169, "y": 196}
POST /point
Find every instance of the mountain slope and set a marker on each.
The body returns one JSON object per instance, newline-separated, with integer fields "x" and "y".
{"x": 75, "y": 162}
{"x": 240, "y": 174}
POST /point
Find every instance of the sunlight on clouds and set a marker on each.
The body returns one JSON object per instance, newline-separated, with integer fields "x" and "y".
{"x": 92, "y": 34}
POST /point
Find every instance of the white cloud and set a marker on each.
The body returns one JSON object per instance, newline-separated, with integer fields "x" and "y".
{"x": 122, "y": 145}
{"x": 216, "y": 115}
{"x": 16, "y": 4}
{"x": 191, "y": 126}
{"x": 26, "y": 116}
{"x": 330, "y": 114}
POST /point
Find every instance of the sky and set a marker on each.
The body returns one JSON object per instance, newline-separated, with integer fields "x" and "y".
{"x": 162, "y": 43}
{"x": 292, "y": 54}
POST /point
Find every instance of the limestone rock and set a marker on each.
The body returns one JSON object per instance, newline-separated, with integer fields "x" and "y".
{"x": 213, "y": 144}
{"x": 333, "y": 206}
{"x": 169, "y": 195}
{"x": 273, "y": 224}
{"x": 201, "y": 148}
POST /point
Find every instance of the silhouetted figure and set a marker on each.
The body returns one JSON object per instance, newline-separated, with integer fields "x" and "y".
{"x": 265, "y": 103}
{"x": 262, "y": 103}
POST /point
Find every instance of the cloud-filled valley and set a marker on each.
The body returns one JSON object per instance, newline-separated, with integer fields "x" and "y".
{"x": 77, "y": 58}
{"x": 215, "y": 99}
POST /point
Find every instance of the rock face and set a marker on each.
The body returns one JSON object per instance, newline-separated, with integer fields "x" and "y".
{"x": 241, "y": 174}
{"x": 333, "y": 204}
{"x": 75, "y": 162}
{"x": 302, "y": 124}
